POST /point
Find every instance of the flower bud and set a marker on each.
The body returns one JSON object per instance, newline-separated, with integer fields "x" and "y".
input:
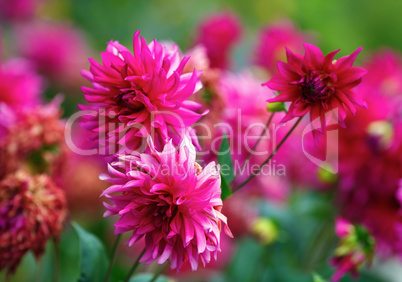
{"x": 265, "y": 230}
{"x": 276, "y": 107}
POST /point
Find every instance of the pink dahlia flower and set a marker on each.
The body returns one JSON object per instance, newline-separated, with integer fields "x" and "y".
{"x": 56, "y": 49}
{"x": 384, "y": 76}
{"x": 33, "y": 138}
{"x": 167, "y": 198}
{"x": 218, "y": 34}
{"x": 32, "y": 211}
{"x": 141, "y": 94}
{"x": 272, "y": 42}
{"x": 317, "y": 84}
{"x": 20, "y": 85}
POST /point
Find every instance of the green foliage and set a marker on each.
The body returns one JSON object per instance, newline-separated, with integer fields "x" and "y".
{"x": 225, "y": 188}
{"x": 93, "y": 259}
{"x": 305, "y": 244}
{"x": 225, "y": 161}
{"x": 146, "y": 277}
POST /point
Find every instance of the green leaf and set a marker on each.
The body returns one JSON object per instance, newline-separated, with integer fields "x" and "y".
{"x": 225, "y": 188}
{"x": 225, "y": 161}
{"x": 318, "y": 278}
{"x": 94, "y": 262}
{"x": 246, "y": 263}
{"x": 146, "y": 277}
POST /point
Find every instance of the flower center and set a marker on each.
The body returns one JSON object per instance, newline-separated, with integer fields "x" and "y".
{"x": 163, "y": 213}
{"x": 125, "y": 101}
{"x": 316, "y": 87}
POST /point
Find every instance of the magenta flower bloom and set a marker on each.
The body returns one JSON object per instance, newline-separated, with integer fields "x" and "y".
{"x": 272, "y": 42}
{"x": 167, "y": 198}
{"x": 317, "y": 84}
{"x": 218, "y": 34}
{"x": 141, "y": 94}
{"x": 20, "y": 85}
{"x": 57, "y": 50}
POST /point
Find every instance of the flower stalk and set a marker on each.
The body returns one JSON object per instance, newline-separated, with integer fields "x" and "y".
{"x": 257, "y": 143}
{"x": 112, "y": 257}
{"x": 269, "y": 157}
{"x": 135, "y": 266}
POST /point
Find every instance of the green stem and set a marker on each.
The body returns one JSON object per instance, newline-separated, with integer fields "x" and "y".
{"x": 159, "y": 272}
{"x": 257, "y": 143}
{"x": 269, "y": 158}
{"x": 112, "y": 257}
{"x": 56, "y": 272}
{"x": 317, "y": 246}
{"x": 132, "y": 270}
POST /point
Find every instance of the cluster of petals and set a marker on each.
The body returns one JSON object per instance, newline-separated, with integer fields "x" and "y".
{"x": 32, "y": 211}
{"x": 218, "y": 34}
{"x": 272, "y": 42}
{"x": 318, "y": 84}
{"x": 243, "y": 120}
{"x": 169, "y": 200}
{"x": 56, "y": 49}
{"x": 138, "y": 94}
{"x": 20, "y": 85}
{"x": 369, "y": 154}
{"x": 27, "y": 134}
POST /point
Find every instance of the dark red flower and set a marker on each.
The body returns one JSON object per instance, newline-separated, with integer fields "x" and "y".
{"x": 33, "y": 210}
{"x": 317, "y": 84}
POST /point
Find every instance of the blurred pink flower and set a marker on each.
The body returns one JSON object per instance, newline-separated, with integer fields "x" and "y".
{"x": 367, "y": 163}
{"x": 317, "y": 84}
{"x": 57, "y": 50}
{"x": 134, "y": 96}
{"x": 198, "y": 59}
{"x": 308, "y": 163}
{"x": 32, "y": 211}
{"x": 20, "y": 85}
{"x": 384, "y": 75}
{"x": 343, "y": 227}
{"x": 244, "y": 116}
{"x": 33, "y": 138}
{"x": 18, "y": 10}
{"x": 272, "y": 42}
{"x": 167, "y": 198}
{"x": 218, "y": 34}
{"x": 370, "y": 163}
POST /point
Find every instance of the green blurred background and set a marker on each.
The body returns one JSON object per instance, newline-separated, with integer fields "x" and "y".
{"x": 345, "y": 24}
